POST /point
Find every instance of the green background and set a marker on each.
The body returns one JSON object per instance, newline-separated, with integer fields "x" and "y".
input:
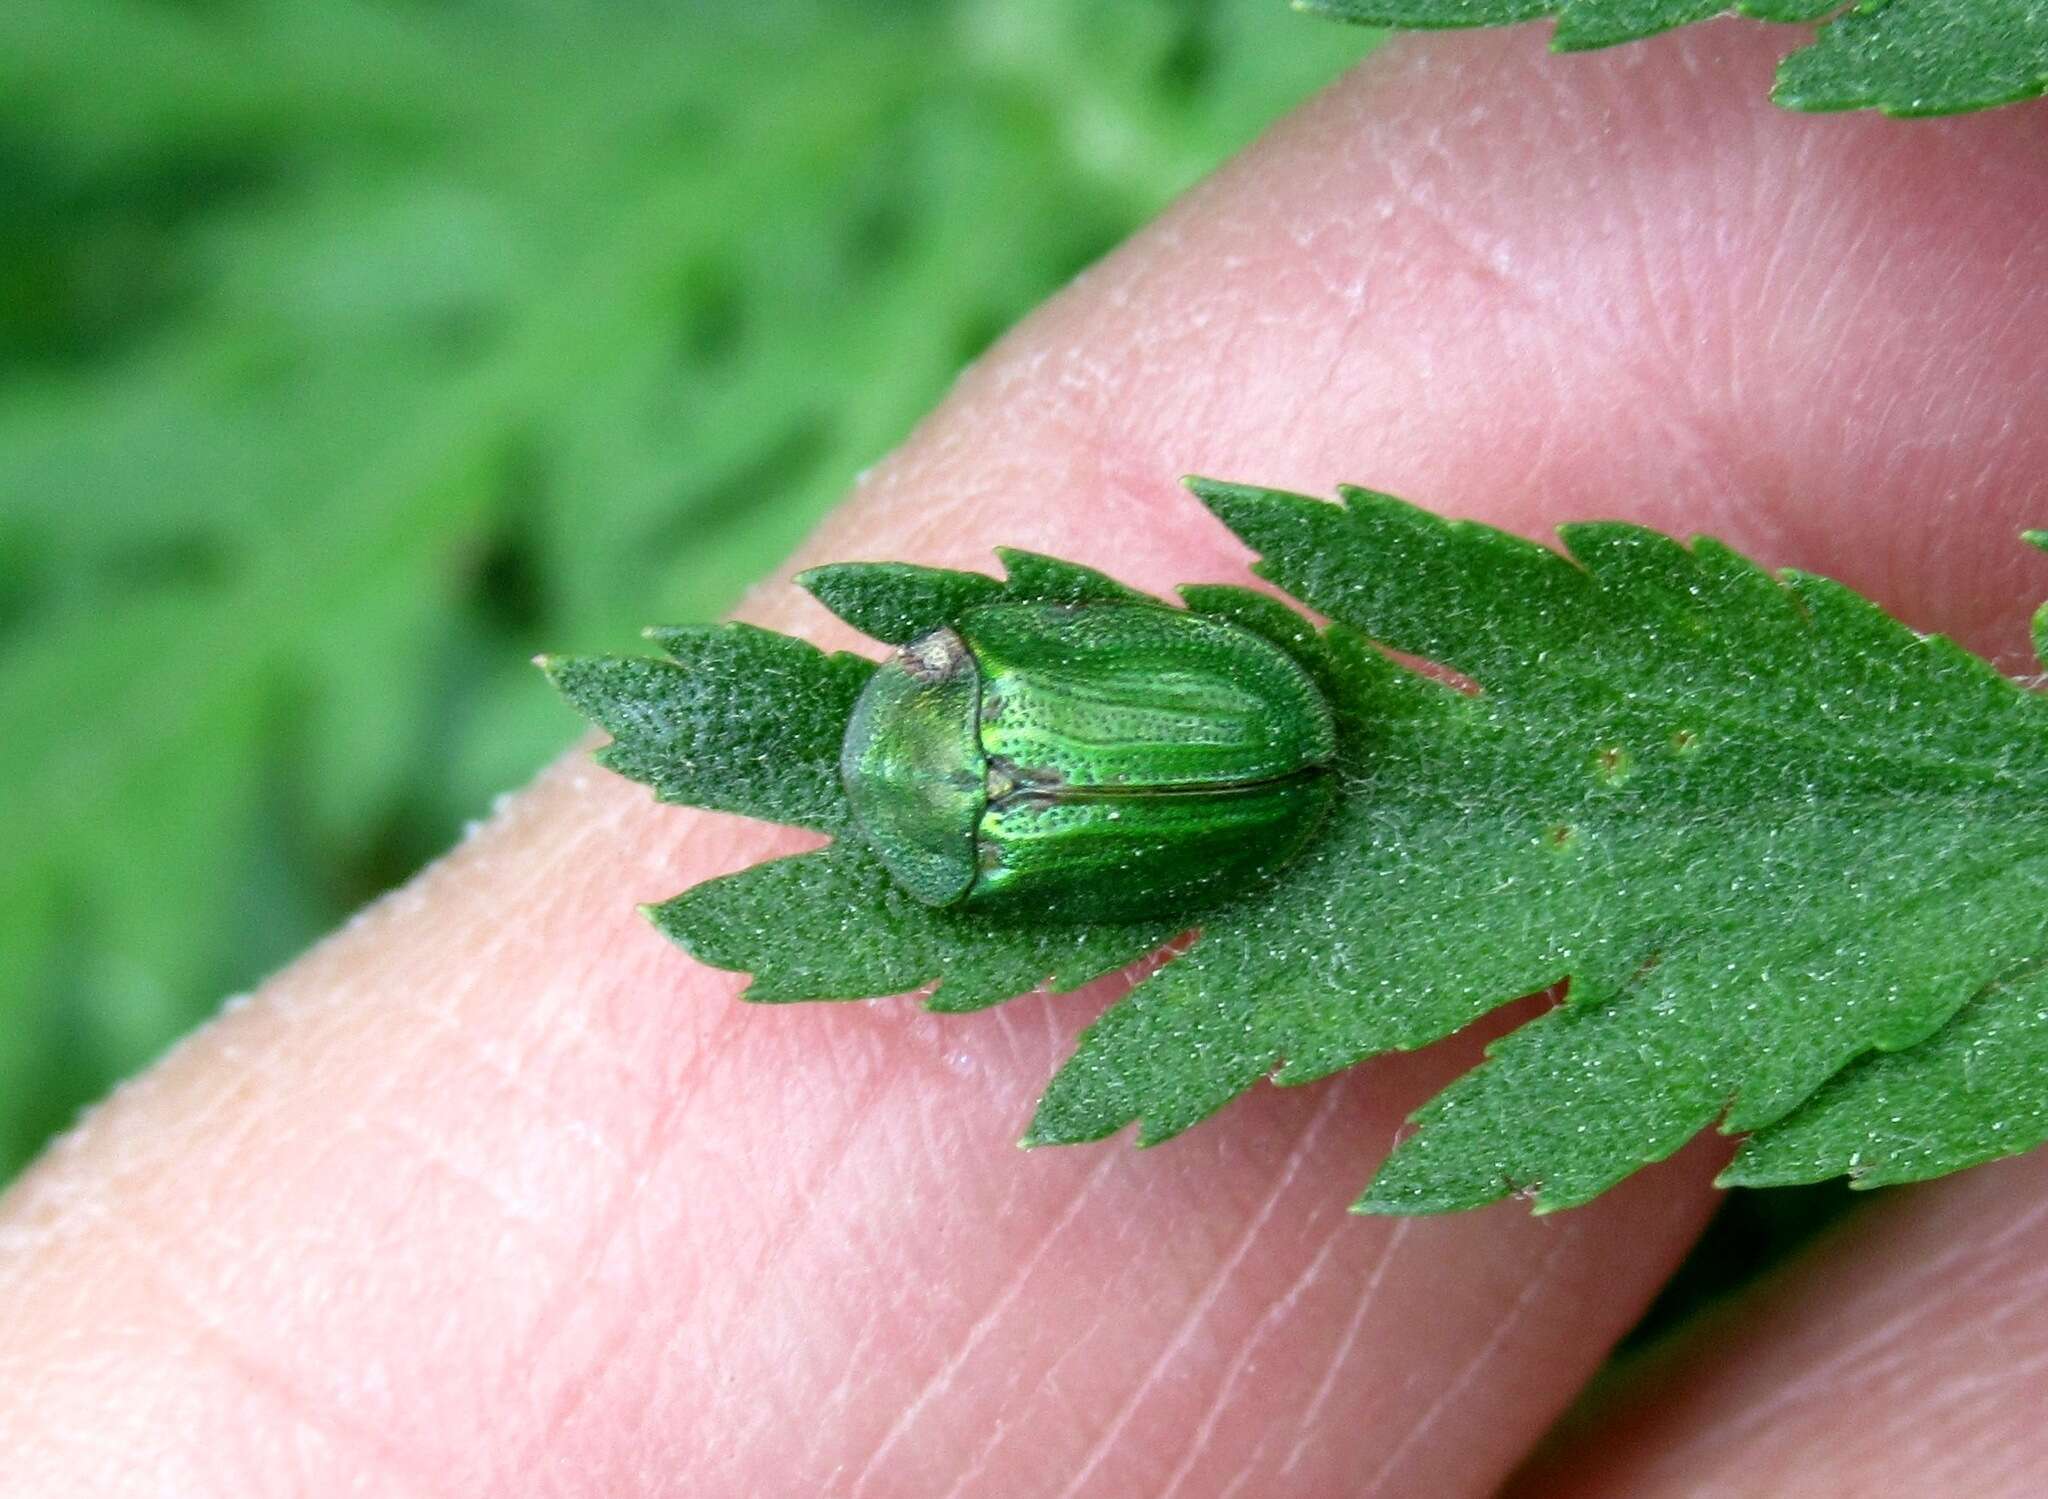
{"x": 353, "y": 350}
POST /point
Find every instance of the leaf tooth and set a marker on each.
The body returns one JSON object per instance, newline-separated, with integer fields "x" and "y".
{"x": 895, "y": 602}
{"x": 1035, "y": 576}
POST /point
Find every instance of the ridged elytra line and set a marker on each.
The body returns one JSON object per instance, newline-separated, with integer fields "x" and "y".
{"x": 1052, "y": 792}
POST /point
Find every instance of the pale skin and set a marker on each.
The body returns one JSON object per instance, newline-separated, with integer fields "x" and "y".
{"x": 495, "y": 1193}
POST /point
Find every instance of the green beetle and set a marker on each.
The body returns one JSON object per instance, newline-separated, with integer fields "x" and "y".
{"x": 1081, "y": 762}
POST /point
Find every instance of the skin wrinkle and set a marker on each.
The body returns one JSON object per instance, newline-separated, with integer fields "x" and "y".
{"x": 1898, "y": 1373}
{"x": 789, "y": 1228}
{"x": 970, "y": 1479}
{"x": 942, "y": 1379}
{"x": 52, "y": 1197}
{"x": 1685, "y": 357}
{"x": 477, "y": 1053}
{"x": 1901, "y": 1354}
{"x": 1455, "y": 1391}
{"x": 839, "y": 1151}
{"x": 577, "y": 1390}
{"x": 1893, "y": 1331}
{"x": 1715, "y": 470}
{"x": 1361, "y": 1314}
{"x": 1707, "y": 364}
{"x": 1967, "y": 1396}
{"x": 612, "y": 1220}
{"x": 1233, "y": 1373}
{"x": 373, "y": 1118}
{"x": 468, "y": 1179}
{"x": 1773, "y": 274}
{"x": 257, "y": 1375}
{"x": 1204, "y": 1303}
{"x": 1912, "y": 1309}
{"x": 1078, "y": 1360}
{"x": 1237, "y": 1484}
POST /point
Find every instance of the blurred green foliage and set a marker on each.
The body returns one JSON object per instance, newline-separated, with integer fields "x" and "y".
{"x": 351, "y": 350}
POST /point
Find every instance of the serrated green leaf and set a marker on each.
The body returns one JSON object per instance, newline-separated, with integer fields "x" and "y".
{"x": 1764, "y": 831}
{"x": 1904, "y": 57}
{"x": 1261, "y": 986}
{"x": 740, "y": 719}
{"x": 1580, "y": 23}
{"x": 1975, "y": 1091}
{"x": 745, "y": 720}
{"x": 1761, "y": 827}
{"x": 1584, "y": 24}
{"x": 1032, "y": 576}
{"x": 1922, "y": 57}
{"x": 895, "y": 602}
{"x": 833, "y": 925}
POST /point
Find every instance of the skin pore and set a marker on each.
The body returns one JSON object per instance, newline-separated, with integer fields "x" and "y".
{"x": 495, "y": 1193}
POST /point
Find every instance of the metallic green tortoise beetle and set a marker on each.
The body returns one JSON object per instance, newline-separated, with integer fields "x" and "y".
{"x": 1083, "y": 762}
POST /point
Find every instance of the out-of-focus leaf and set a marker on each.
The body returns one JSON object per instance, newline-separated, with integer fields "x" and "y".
{"x": 351, "y": 352}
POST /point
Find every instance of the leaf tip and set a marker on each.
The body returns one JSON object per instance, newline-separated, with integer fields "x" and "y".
{"x": 560, "y": 673}
{"x": 1233, "y": 504}
{"x": 2034, "y": 538}
{"x": 1212, "y": 492}
{"x": 1378, "y": 1200}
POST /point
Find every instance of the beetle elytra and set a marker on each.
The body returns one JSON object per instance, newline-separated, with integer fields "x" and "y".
{"x": 1082, "y": 762}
